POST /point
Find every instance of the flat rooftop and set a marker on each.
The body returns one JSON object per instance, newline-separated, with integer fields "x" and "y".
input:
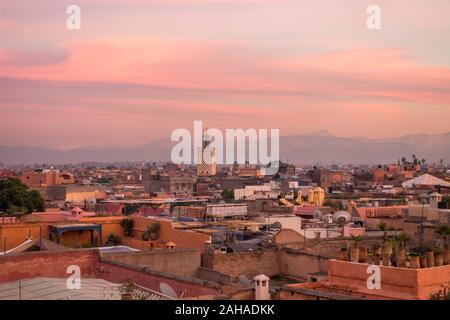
{"x": 56, "y": 289}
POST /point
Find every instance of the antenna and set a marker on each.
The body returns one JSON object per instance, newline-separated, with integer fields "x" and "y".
{"x": 167, "y": 290}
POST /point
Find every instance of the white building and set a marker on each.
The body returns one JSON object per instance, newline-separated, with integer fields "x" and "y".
{"x": 226, "y": 210}
{"x": 249, "y": 191}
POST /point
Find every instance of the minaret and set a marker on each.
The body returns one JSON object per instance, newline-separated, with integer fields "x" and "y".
{"x": 207, "y": 168}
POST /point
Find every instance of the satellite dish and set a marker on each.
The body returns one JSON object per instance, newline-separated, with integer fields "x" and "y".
{"x": 243, "y": 280}
{"x": 167, "y": 290}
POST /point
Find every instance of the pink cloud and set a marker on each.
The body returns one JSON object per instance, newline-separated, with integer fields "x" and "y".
{"x": 376, "y": 73}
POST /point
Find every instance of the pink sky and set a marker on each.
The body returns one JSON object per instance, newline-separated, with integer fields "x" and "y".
{"x": 139, "y": 69}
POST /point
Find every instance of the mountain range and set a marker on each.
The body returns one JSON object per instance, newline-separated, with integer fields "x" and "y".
{"x": 312, "y": 148}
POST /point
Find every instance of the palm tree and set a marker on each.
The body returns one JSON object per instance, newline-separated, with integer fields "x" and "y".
{"x": 402, "y": 239}
{"x": 404, "y": 161}
{"x": 356, "y": 240}
{"x": 113, "y": 240}
{"x": 128, "y": 226}
{"x": 383, "y": 227}
{"x": 443, "y": 231}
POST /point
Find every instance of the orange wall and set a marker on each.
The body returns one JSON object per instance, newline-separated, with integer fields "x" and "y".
{"x": 182, "y": 238}
{"x": 17, "y": 233}
{"x": 14, "y": 234}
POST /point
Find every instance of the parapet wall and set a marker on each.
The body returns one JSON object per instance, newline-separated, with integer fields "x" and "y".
{"x": 271, "y": 262}
{"x": 46, "y": 264}
{"x": 396, "y": 283}
{"x": 248, "y": 263}
{"x": 183, "y": 262}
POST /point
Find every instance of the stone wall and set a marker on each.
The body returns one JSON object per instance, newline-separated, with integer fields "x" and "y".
{"x": 294, "y": 263}
{"x": 250, "y": 264}
{"x": 184, "y": 262}
{"x": 301, "y": 264}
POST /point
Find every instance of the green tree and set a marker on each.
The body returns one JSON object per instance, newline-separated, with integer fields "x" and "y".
{"x": 113, "y": 240}
{"x": 128, "y": 226}
{"x": 228, "y": 194}
{"x": 15, "y": 197}
{"x": 152, "y": 232}
{"x": 443, "y": 231}
{"x": 402, "y": 239}
{"x": 382, "y": 226}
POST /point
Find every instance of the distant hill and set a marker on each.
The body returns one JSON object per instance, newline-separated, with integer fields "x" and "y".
{"x": 317, "y": 147}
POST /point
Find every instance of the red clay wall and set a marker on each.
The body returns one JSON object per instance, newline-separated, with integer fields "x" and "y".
{"x": 396, "y": 283}
{"x": 46, "y": 264}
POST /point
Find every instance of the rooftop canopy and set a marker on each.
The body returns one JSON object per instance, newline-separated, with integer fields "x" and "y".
{"x": 425, "y": 180}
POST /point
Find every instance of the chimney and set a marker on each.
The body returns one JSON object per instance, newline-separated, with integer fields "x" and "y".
{"x": 261, "y": 284}
{"x": 435, "y": 198}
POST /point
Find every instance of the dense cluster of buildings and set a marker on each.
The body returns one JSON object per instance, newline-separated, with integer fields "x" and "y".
{"x": 230, "y": 232}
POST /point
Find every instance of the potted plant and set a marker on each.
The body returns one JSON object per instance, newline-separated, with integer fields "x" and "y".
{"x": 377, "y": 249}
{"x": 363, "y": 254}
{"x": 386, "y": 253}
{"x": 414, "y": 260}
{"x": 152, "y": 232}
{"x": 376, "y": 259}
{"x": 438, "y": 257}
{"x": 126, "y": 289}
{"x": 444, "y": 231}
{"x": 423, "y": 261}
{"x": 127, "y": 226}
{"x": 113, "y": 240}
{"x": 400, "y": 257}
{"x": 370, "y": 258}
{"x": 343, "y": 254}
{"x": 430, "y": 258}
{"x": 382, "y": 226}
{"x": 354, "y": 251}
